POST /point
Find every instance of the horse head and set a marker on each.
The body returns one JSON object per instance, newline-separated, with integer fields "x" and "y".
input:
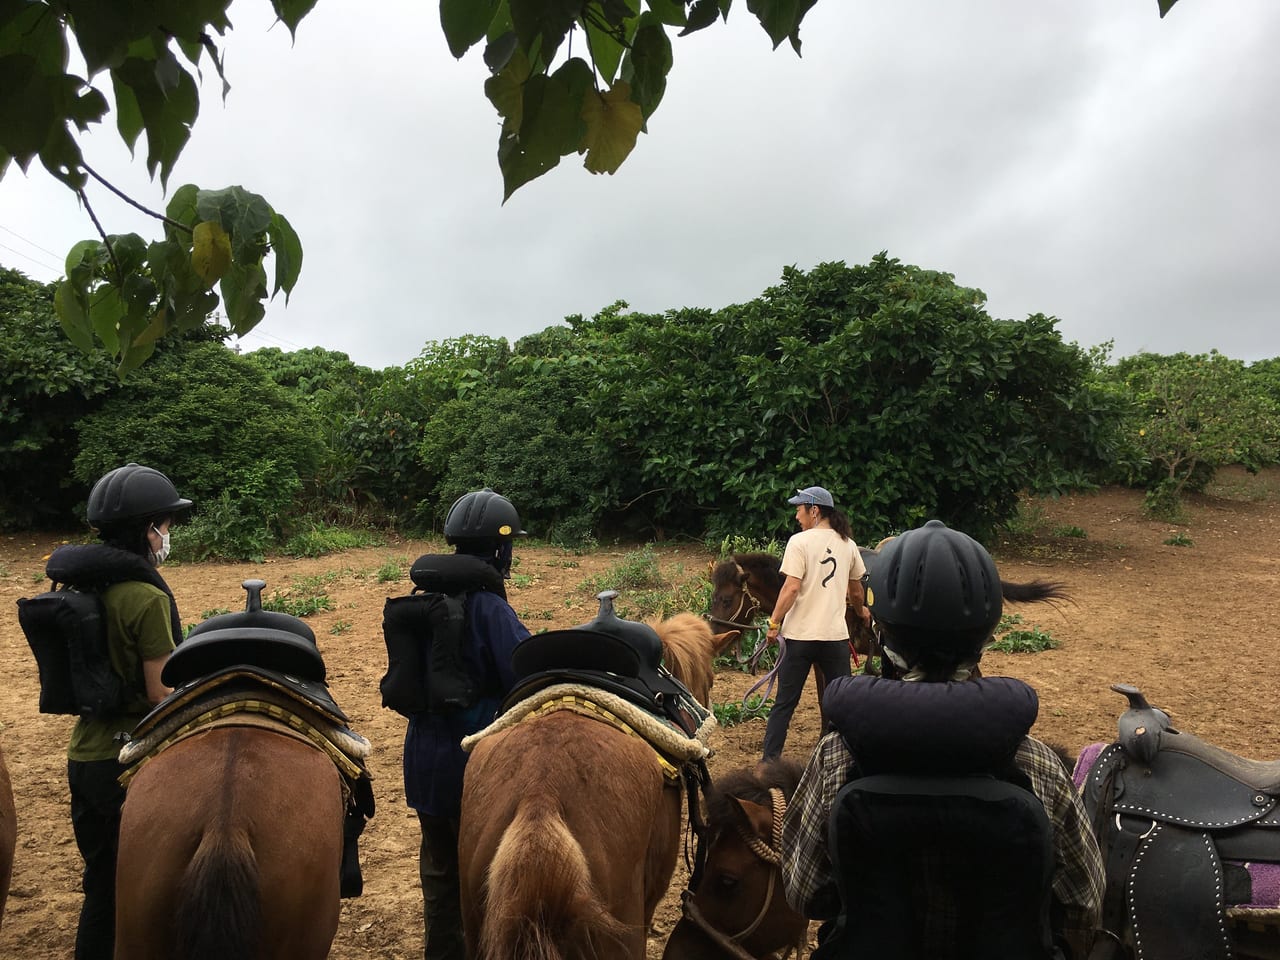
{"x": 732, "y": 605}
{"x": 739, "y": 908}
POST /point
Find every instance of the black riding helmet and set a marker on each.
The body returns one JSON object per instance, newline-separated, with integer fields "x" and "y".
{"x": 935, "y": 589}
{"x": 483, "y": 524}
{"x": 482, "y": 515}
{"x": 132, "y": 492}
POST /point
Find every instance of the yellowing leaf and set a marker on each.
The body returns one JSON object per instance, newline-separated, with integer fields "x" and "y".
{"x": 210, "y": 251}
{"x": 613, "y": 122}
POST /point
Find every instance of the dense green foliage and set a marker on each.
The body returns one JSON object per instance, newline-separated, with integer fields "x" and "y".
{"x": 46, "y": 387}
{"x": 1191, "y": 415}
{"x": 229, "y": 438}
{"x": 886, "y": 383}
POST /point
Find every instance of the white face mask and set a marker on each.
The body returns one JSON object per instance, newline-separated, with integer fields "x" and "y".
{"x": 159, "y": 556}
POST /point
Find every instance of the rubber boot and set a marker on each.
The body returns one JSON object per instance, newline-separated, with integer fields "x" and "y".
{"x": 351, "y": 881}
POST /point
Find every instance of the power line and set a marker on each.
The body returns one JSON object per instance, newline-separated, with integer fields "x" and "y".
{"x": 25, "y": 240}
{"x": 24, "y": 256}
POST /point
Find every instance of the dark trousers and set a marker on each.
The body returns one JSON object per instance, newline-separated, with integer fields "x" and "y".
{"x": 441, "y": 908}
{"x": 829, "y": 656}
{"x": 96, "y": 799}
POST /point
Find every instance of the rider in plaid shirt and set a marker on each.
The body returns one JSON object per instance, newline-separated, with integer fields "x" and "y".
{"x": 928, "y": 655}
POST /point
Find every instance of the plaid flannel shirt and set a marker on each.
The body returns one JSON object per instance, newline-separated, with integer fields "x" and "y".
{"x": 1078, "y": 878}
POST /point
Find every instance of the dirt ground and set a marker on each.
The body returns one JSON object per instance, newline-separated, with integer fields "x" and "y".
{"x": 1194, "y": 626}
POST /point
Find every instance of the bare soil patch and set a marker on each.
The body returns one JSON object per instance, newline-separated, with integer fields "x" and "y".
{"x": 1193, "y": 626}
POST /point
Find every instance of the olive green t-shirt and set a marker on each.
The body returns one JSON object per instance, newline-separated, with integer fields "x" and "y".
{"x": 138, "y": 628}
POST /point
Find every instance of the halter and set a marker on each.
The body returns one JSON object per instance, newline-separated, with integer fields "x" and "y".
{"x": 742, "y": 611}
{"x": 771, "y": 854}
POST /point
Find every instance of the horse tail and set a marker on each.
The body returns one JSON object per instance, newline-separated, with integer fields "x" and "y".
{"x": 540, "y": 897}
{"x": 1034, "y": 591}
{"x": 219, "y": 910}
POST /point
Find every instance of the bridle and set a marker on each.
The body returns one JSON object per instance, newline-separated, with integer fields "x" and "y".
{"x": 771, "y": 854}
{"x": 747, "y": 602}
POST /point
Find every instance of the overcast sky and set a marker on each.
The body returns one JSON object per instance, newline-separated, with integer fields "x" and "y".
{"x": 1079, "y": 158}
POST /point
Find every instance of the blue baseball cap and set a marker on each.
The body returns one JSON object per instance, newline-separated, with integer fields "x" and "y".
{"x": 813, "y": 496}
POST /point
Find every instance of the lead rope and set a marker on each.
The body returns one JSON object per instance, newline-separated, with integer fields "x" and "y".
{"x": 768, "y": 681}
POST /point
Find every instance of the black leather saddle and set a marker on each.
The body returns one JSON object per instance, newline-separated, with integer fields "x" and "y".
{"x": 1169, "y": 809}
{"x": 622, "y": 657}
{"x": 259, "y": 638}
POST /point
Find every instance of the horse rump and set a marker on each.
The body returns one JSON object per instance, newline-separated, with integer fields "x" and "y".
{"x": 219, "y": 908}
{"x": 540, "y": 900}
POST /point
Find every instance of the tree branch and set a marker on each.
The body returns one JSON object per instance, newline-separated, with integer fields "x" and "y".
{"x": 102, "y": 233}
{"x": 129, "y": 200}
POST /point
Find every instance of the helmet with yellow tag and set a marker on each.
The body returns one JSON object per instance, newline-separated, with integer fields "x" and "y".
{"x": 482, "y": 515}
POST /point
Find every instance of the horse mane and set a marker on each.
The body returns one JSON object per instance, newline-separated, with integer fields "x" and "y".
{"x": 763, "y": 566}
{"x": 751, "y": 783}
{"x": 688, "y": 647}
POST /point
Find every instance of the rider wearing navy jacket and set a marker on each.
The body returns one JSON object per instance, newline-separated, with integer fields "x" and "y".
{"x": 481, "y": 524}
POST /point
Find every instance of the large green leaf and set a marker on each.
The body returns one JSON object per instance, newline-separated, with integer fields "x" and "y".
{"x": 551, "y": 123}
{"x": 466, "y": 22}
{"x": 167, "y": 116}
{"x": 244, "y": 215}
{"x": 702, "y": 14}
{"x": 182, "y": 206}
{"x": 73, "y": 316}
{"x": 244, "y": 288}
{"x": 781, "y": 18}
{"x": 292, "y": 12}
{"x": 647, "y": 64}
{"x": 287, "y": 250}
{"x": 670, "y": 12}
{"x": 128, "y": 113}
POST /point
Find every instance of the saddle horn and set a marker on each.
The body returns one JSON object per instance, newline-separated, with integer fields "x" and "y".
{"x": 1142, "y": 726}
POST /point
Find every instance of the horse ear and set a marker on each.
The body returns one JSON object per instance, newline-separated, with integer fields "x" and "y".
{"x": 721, "y": 641}
{"x": 753, "y": 818}
{"x": 742, "y": 574}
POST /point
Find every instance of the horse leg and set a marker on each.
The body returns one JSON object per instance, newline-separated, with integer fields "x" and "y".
{"x": 8, "y": 833}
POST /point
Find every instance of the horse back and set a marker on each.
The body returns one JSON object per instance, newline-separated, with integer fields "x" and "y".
{"x": 229, "y": 845}
{"x": 567, "y": 823}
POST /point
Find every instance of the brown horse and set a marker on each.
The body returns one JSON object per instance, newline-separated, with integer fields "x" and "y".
{"x": 8, "y": 832}
{"x": 739, "y": 909}
{"x": 570, "y": 828}
{"x": 230, "y": 842}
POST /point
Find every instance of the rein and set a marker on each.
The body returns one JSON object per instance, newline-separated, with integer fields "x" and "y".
{"x": 771, "y": 854}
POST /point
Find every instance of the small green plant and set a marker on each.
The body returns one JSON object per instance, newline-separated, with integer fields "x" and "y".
{"x": 1033, "y": 640}
{"x": 37, "y": 577}
{"x": 1179, "y": 539}
{"x": 389, "y": 572}
{"x": 1077, "y": 532}
{"x": 739, "y": 544}
{"x": 636, "y": 570}
{"x": 340, "y": 627}
{"x": 1028, "y": 521}
{"x": 320, "y": 540}
{"x": 521, "y": 580}
{"x": 297, "y": 606}
{"x": 527, "y": 615}
{"x": 4, "y": 569}
{"x": 1164, "y": 502}
{"x": 735, "y": 711}
{"x": 214, "y": 612}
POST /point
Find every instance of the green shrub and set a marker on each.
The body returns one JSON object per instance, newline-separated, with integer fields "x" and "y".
{"x": 316, "y": 541}
{"x": 228, "y": 437}
{"x": 1076, "y": 532}
{"x": 390, "y": 571}
{"x": 1179, "y": 539}
{"x": 638, "y": 569}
